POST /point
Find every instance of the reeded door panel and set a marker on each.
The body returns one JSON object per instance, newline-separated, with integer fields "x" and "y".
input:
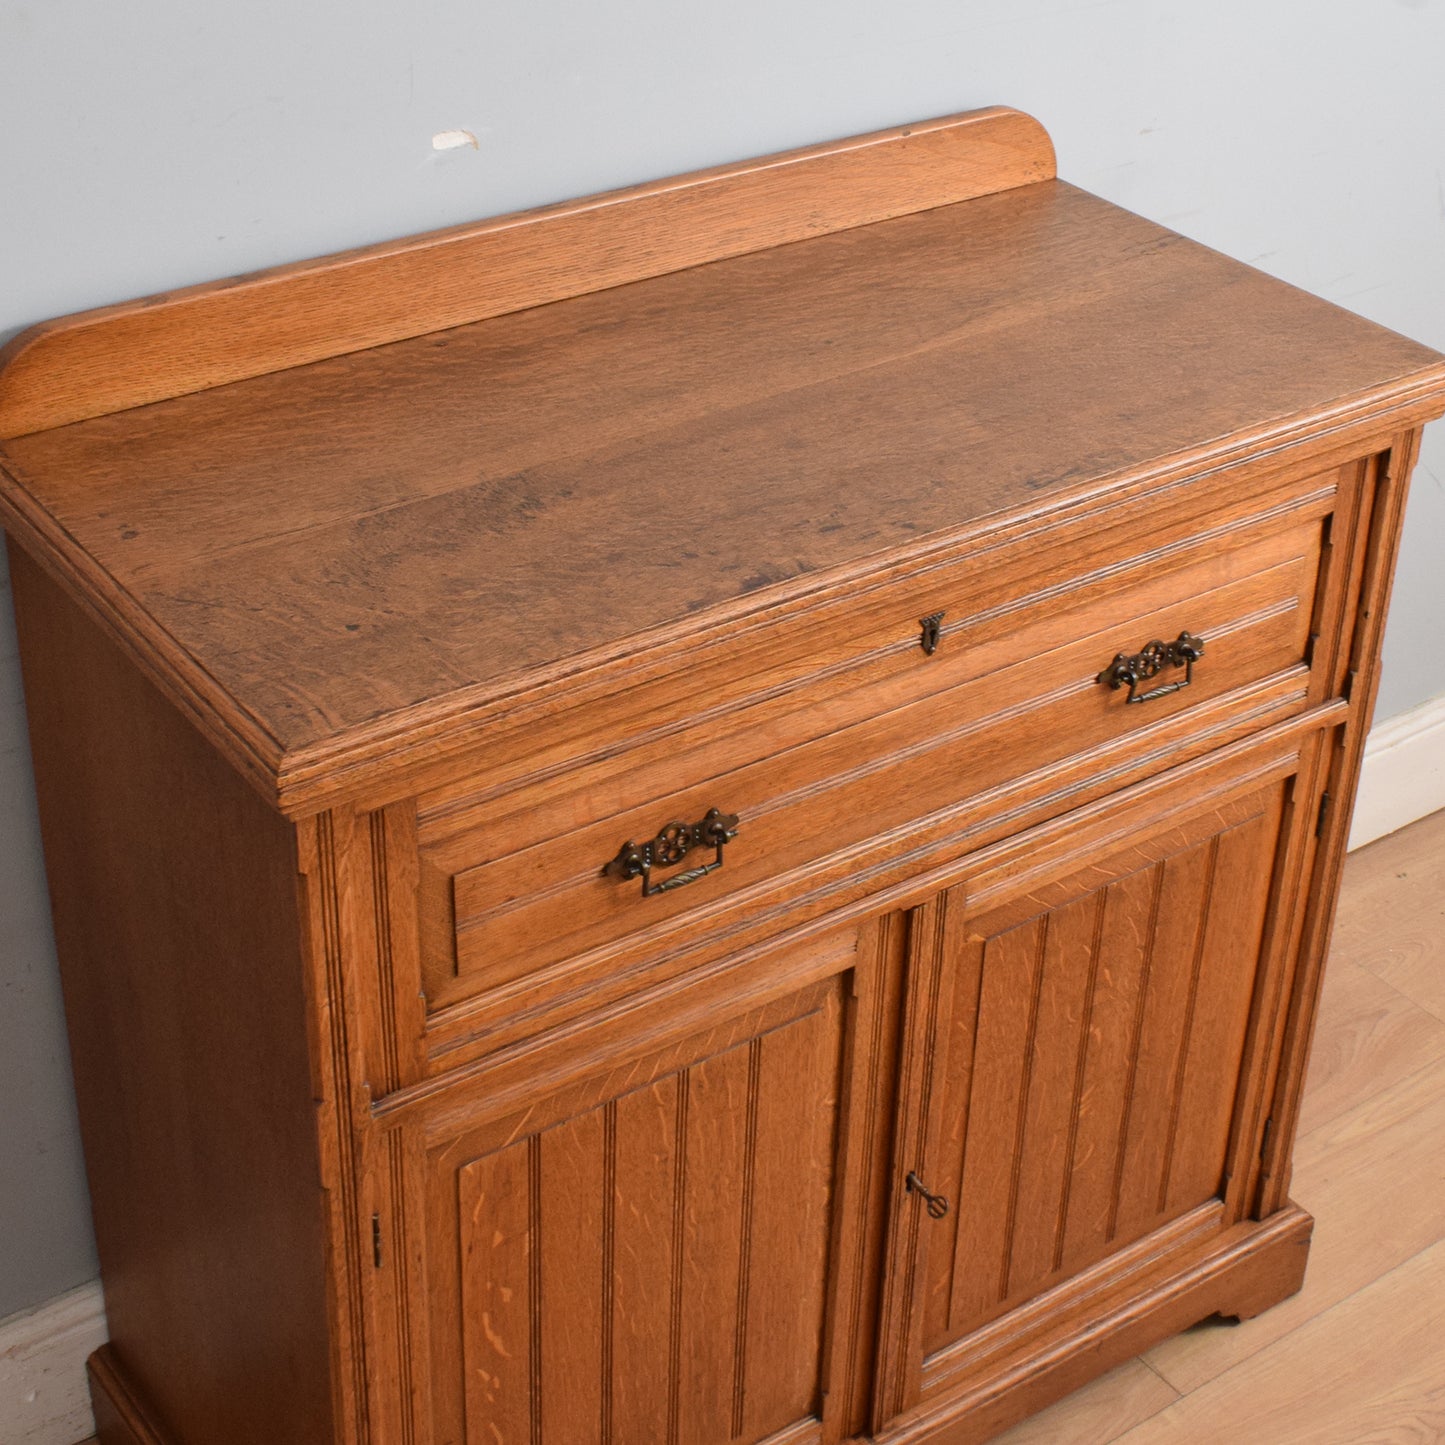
{"x": 643, "y": 1255}
{"x": 1093, "y": 1058}
{"x": 1097, "y": 1010}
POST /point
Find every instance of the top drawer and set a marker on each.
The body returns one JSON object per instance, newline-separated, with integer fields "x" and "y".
{"x": 538, "y": 892}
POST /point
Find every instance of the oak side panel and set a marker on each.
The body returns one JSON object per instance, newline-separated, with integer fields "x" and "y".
{"x": 174, "y": 890}
{"x": 183, "y": 341}
{"x": 1379, "y": 532}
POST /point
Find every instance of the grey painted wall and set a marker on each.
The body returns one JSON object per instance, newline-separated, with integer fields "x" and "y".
{"x": 161, "y": 142}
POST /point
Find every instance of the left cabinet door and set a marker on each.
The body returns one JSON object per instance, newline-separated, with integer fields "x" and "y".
{"x": 635, "y": 1242}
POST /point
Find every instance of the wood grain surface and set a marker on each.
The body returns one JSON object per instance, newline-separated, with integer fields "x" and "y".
{"x": 183, "y": 341}
{"x": 1370, "y": 1127}
{"x": 344, "y": 552}
{"x": 827, "y": 793}
{"x": 1145, "y": 964}
{"x": 177, "y": 927}
{"x": 413, "y": 1108}
{"x": 643, "y": 1249}
{"x": 1392, "y": 920}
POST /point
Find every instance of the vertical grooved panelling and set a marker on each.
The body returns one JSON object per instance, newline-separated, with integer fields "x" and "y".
{"x": 648, "y": 1261}
{"x": 1010, "y": 966}
{"x": 1057, "y": 1026}
{"x": 534, "y": 1283}
{"x": 902, "y": 1307}
{"x": 401, "y": 1270}
{"x": 500, "y": 1296}
{"x": 1228, "y": 981}
{"x": 946, "y": 1258}
{"x": 385, "y": 963}
{"x": 1196, "y": 965}
{"x": 675, "y": 1303}
{"x": 712, "y": 1252}
{"x": 573, "y": 1248}
{"x": 750, "y": 1160}
{"x": 1026, "y": 1071}
{"x": 609, "y": 1265}
{"x": 1080, "y": 1060}
{"x": 643, "y": 1262}
{"x": 1092, "y": 1066}
{"x": 341, "y": 1070}
{"x": 1101, "y": 1099}
{"x": 1161, "y": 1037}
{"x": 791, "y": 1188}
{"x": 876, "y": 983}
{"x": 1136, "y": 1033}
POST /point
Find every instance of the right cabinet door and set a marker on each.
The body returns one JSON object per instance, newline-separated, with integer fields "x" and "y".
{"x": 1092, "y": 1015}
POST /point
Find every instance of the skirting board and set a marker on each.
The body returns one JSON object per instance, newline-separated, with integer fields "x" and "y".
{"x": 43, "y": 1395}
{"x": 1402, "y": 777}
{"x": 44, "y": 1398}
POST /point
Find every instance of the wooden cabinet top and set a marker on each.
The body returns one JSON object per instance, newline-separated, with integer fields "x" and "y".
{"x": 746, "y": 389}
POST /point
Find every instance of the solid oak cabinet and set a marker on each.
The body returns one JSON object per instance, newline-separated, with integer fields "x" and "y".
{"x": 707, "y": 815}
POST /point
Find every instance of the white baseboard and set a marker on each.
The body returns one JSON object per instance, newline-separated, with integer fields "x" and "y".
{"x": 44, "y": 1399}
{"x": 1403, "y": 774}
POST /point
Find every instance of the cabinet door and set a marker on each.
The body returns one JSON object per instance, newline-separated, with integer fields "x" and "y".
{"x": 639, "y": 1249}
{"x": 1095, "y": 1030}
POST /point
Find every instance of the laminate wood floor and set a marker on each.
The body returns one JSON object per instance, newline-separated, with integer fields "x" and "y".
{"x": 1358, "y": 1356}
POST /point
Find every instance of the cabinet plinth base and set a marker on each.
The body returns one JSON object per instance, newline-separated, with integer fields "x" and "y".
{"x": 120, "y": 1416}
{"x": 1251, "y": 1267}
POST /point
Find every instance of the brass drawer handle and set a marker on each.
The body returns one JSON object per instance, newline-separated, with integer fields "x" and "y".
{"x": 1150, "y": 661}
{"x": 671, "y": 846}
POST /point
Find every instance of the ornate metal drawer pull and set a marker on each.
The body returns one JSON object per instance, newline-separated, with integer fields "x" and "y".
{"x": 937, "y": 1205}
{"x": 671, "y": 846}
{"x": 1184, "y": 651}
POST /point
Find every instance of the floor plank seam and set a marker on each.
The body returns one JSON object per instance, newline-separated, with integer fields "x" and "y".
{"x": 1425, "y": 1008}
{"x": 1335, "y": 1121}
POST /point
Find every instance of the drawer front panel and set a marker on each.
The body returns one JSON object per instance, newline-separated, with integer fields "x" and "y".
{"x": 855, "y": 655}
{"x": 518, "y": 886}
